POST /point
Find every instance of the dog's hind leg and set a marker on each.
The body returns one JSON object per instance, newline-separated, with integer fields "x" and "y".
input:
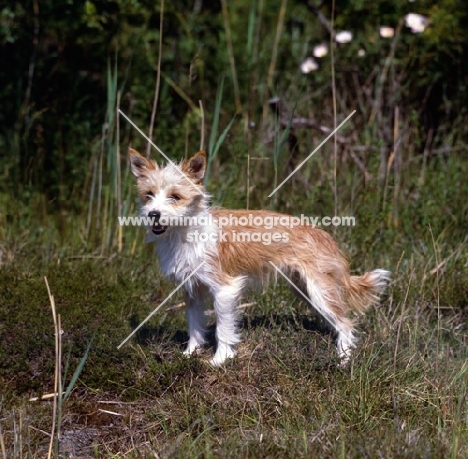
{"x": 324, "y": 296}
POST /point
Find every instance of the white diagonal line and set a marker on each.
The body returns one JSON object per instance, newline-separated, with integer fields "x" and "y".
{"x": 145, "y": 136}
{"x": 154, "y": 312}
{"x": 308, "y": 157}
{"x": 157, "y": 148}
{"x": 290, "y": 281}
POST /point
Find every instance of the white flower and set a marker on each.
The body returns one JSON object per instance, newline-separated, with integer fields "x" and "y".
{"x": 344, "y": 37}
{"x": 387, "y": 32}
{"x": 361, "y": 52}
{"x": 416, "y": 22}
{"x": 320, "y": 50}
{"x": 309, "y": 65}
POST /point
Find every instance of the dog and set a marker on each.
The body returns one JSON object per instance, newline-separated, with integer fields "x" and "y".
{"x": 200, "y": 246}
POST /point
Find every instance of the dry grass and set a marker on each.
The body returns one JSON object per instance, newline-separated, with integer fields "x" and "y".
{"x": 283, "y": 396}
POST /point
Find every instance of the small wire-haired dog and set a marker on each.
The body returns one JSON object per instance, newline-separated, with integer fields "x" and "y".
{"x": 218, "y": 252}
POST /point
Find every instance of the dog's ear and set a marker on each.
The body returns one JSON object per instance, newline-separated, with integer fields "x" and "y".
{"x": 195, "y": 167}
{"x": 140, "y": 165}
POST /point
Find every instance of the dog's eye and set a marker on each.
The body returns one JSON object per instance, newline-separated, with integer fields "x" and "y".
{"x": 175, "y": 197}
{"x": 149, "y": 195}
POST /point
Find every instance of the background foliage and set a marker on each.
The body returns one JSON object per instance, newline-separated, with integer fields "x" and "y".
{"x": 56, "y": 57}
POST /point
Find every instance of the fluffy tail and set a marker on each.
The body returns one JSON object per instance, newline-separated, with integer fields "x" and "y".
{"x": 363, "y": 291}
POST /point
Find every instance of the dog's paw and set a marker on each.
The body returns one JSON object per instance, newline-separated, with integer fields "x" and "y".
{"x": 344, "y": 362}
{"x": 223, "y": 353}
{"x": 345, "y": 344}
{"x": 194, "y": 349}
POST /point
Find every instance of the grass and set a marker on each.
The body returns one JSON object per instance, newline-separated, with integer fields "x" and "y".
{"x": 283, "y": 396}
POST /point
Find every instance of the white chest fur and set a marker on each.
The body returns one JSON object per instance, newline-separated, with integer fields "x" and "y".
{"x": 182, "y": 251}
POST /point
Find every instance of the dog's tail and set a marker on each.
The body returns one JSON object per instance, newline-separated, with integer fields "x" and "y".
{"x": 363, "y": 291}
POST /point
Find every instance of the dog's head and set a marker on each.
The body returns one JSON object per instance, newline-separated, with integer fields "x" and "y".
{"x": 171, "y": 192}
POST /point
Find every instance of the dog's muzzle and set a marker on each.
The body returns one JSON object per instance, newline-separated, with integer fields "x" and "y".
{"x": 156, "y": 228}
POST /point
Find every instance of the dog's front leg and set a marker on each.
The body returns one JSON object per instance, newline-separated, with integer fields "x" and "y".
{"x": 225, "y": 301}
{"x": 195, "y": 304}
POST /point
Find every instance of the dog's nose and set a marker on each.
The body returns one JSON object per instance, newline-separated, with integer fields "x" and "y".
{"x": 155, "y": 214}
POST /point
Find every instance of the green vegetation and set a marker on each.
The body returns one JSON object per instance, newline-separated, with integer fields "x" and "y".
{"x": 399, "y": 165}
